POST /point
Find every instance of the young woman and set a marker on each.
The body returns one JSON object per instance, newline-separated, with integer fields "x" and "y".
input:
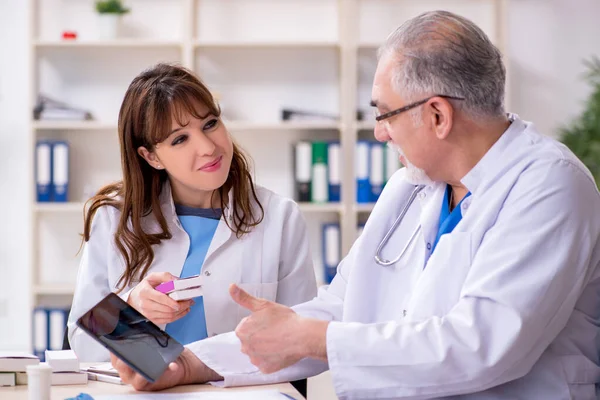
{"x": 187, "y": 205}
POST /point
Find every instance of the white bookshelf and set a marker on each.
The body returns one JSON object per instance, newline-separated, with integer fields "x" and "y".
{"x": 255, "y": 54}
{"x": 73, "y": 126}
{"x": 95, "y": 44}
{"x": 266, "y": 44}
{"x": 68, "y": 207}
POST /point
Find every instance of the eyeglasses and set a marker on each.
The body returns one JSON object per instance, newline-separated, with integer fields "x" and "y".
{"x": 381, "y": 117}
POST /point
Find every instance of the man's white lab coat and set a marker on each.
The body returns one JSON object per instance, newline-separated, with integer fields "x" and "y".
{"x": 507, "y": 307}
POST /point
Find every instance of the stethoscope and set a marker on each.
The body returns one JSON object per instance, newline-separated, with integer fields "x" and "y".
{"x": 386, "y": 238}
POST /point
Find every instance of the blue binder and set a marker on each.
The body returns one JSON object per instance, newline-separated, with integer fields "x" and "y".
{"x": 60, "y": 171}
{"x": 376, "y": 171}
{"x": 43, "y": 170}
{"x": 48, "y": 328}
{"x": 363, "y": 187}
{"x": 331, "y": 250}
{"x": 334, "y": 167}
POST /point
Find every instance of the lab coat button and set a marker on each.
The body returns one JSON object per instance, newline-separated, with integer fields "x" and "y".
{"x": 404, "y": 313}
{"x": 428, "y": 246}
{"x": 207, "y": 273}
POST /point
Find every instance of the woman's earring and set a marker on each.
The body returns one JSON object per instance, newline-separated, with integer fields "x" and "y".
{"x": 158, "y": 166}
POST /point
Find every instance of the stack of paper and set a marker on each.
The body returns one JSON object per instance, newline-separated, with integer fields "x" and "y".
{"x": 12, "y": 364}
{"x": 65, "y": 368}
{"x": 50, "y": 109}
{"x": 103, "y": 372}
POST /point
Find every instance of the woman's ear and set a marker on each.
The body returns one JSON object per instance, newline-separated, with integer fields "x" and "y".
{"x": 150, "y": 157}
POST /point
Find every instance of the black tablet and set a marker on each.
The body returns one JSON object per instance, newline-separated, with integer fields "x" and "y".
{"x": 130, "y": 336}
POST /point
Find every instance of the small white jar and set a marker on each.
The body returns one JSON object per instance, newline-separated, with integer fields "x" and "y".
{"x": 39, "y": 381}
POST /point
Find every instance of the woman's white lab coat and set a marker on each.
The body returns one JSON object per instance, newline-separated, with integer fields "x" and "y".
{"x": 273, "y": 261}
{"x": 507, "y": 307}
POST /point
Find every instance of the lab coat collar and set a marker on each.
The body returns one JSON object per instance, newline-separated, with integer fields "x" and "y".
{"x": 493, "y": 160}
{"x": 168, "y": 205}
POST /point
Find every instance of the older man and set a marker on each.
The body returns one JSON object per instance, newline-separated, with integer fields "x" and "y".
{"x": 477, "y": 274}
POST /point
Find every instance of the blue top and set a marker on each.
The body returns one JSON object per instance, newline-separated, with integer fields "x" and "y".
{"x": 448, "y": 220}
{"x": 200, "y": 225}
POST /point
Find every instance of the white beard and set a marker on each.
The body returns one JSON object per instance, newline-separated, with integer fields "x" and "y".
{"x": 413, "y": 175}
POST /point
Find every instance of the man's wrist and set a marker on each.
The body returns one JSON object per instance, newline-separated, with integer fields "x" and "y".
{"x": 195, "y": 371}
{"x": 314, "y": 334}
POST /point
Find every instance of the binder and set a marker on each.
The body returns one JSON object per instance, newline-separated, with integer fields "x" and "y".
{"x": 57, "y": 326}
{"x": 60, "y": 171}
{"x": 363, "y": 189}
{"x": 303, "y": 166}
{"x": 40, "y": 328}
{"x": 331, "y": 250}
{"x": 319, "y": 187}
{"x": 376, "y": 173}
{"x": 392, "y": 162}
{"x": 334, "y": 160}
{"x": 43, "y": 171}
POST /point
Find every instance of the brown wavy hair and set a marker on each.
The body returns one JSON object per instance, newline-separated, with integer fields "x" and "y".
{"x": 153, "y": 99}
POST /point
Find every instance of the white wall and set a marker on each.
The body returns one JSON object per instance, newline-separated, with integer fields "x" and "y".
{"x": 547, "y": 41}
{"x": 14, "y": 172}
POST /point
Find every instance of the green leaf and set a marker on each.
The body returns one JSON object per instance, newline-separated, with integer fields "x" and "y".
{"x": 111, "y": 7}
{"x": 582, "y": 136}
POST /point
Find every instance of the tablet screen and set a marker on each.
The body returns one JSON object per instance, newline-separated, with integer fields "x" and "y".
{"x": 130, "y": 336}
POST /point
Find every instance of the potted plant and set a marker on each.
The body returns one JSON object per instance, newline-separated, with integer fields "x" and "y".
{"x": 583, "y": 135}
{"x": 109, "y": 18}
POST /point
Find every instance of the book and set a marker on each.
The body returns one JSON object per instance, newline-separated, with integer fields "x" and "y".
{"x": 7, "y": 379}
{"x": 103, "y": 372}
{"x": 14, "y": 361}
{"x": 303, "y": 170}
{"x": 334, "y": 167}
{"x": 319, "y": 188}
{"x": 180, "y": 284}
{"x": 62, "y": 360}
{"x": 331, "y": 250}
{"x": 58, "y": 378}
{"x": 186, "y": 294}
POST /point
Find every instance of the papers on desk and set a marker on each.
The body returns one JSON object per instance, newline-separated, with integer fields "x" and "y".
{"x": 230, "y": 395}
{"x": 103, "y": 372}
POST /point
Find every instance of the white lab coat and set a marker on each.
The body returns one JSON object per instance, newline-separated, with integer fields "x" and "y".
{"x": 507, "y": 307}
{"x": 272, "y": 261}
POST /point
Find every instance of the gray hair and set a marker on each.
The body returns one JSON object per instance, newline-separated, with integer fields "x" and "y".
{"x": 443, "y": 53}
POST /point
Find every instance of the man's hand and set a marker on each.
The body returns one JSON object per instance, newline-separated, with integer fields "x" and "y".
{"x": 186, "y": 370}
{"x": 274, "y": 336}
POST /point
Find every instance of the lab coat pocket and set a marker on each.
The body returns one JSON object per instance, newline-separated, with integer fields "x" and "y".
{"x": 267, "y": 291}
{"x": 440, "y": 285}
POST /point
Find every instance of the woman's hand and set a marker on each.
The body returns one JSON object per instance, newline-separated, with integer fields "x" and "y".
{"x": 154, "y": 305}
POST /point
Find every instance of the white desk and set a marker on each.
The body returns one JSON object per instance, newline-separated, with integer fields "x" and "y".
{"x": 94, "y": 388}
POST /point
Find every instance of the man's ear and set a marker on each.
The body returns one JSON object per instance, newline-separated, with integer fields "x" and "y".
{"x": 150, "y": 157}
{"x": 442, "y": 114}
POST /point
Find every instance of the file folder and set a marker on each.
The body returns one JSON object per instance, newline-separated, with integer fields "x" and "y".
{"x": 331, "y": 250}
{"x": 319, "y": 188}
{"x": 57, "y": 325}
{"x": 40, "y": 332}
{"x": 60, "y": 171}
{"x": 334, "y": 166}
{"x": 363, "y": 189}
{"x": 43, "y": 171}
{"x": 376, "y": 175}
{"x": 303, "y": 167}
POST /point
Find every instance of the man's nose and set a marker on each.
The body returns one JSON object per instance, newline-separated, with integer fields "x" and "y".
{"x": 381, "y": 134}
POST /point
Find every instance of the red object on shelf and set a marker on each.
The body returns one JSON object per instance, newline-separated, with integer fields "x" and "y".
{"x": 69, "y": 35}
